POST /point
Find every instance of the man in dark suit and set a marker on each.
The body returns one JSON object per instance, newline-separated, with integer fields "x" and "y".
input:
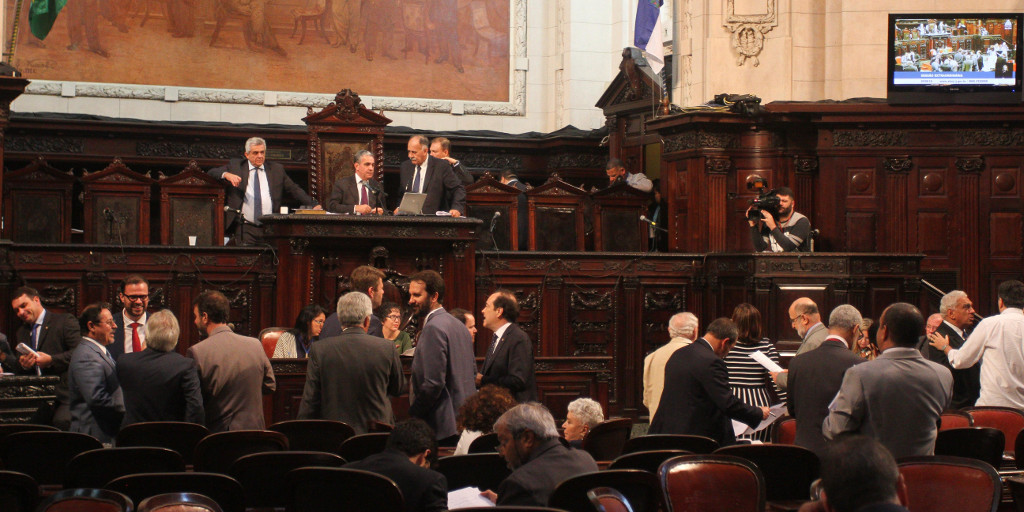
{"x": 357, "y": 193}
{"x": 697, "y": 386}
{"x": 130, "y": 333}
{"x": 350, "y": 377}
{"x": 957, "y": 316}
{"x": 234, "y": 371}
{"x": 54, "y": 337}
{"x": 406, "y": 461}
{"x": 252, "y": 197}
{"x": 369, "y": 280}
{"x": 441, "y": 148}
{"x": 509, "y": 361}
{"x": 509, "y": 178}
{"x": 443, "y": 367}
{"x": 97, "y": 405}
{"x": 158, "y": 383}
{"x": 422, "y": 174}
{"x": 815, "y": 377}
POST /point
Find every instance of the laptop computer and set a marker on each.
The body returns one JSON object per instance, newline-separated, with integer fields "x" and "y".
{"x": 412, "y": 204}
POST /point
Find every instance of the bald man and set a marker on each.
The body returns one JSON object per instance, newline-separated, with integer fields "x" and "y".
{"x": 806, "y": 320}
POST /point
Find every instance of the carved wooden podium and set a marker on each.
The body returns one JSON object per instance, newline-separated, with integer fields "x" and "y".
{"x": 37, "y": 204}
{"x": 488, "y": 197}
{"x": 556, "y": 216}
{"x": 117, "y": 206}
{"x": 617, "y": 224}
{"x": 191, "y": 204}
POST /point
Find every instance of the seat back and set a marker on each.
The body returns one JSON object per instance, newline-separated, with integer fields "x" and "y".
{"x": 1010, "y": 421}
{"x": 18, "y": 492}
{"x": 606, "y": 440}
{"x": 785, "y": 431}
{"x": 487, "y": 443}
{"x": 44, "y": 455}
{"x": 1016, "y": 485}
{"x": 179, "y": 502}
{"x": 981, "y": 443}
{"x": 955, "y": 419}
{"x": 7, "y": 429}
{"x": 606, "y": 499}
{"x": 788, "y": 470}
{"x": 712, "y": 483}
{"x": 314, "y": 435}
{"x": 480, "y": 470}
{"x": 510, "y": 508}
{"x": 695, "y": 444}
{"x": 261, "y": 474}
{"x": 223, "y": 489}
{"x": 950, "y": 483}
{"x": 362, "y": 446}
{"x": 179, "y": 436}
{"x": 86, "y": 500}
{"x": 648, "y": 461}
{"x": 268, "y": 338}
{"x": 95, "y": 468}
{"x": 639, "y": 487}
{"x": 323, "y": 489}
{"x": 217, "y": 452}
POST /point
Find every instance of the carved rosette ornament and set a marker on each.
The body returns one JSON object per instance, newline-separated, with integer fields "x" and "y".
{"x": 748, "y": 31}
{"x": 805, "y": 165}
{"x": 898, "y": 165}
{"x": 717, "y": 165}
{"x": 970, "y": 165}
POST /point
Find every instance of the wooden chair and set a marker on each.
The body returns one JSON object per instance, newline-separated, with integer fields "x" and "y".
{"x": 785, "y": 431}
{"x": 788, "y": 470}
{"x": 175, "y": 435}
{"x": 362, "y": 446}
{"x": 223, "y": 489}
{"x": 606, "y": 440}
{"x": 640, "y": 487}
{"x": 950, "y": 483}
{"x": 606, "y": 499}
{"x": 481, "y": 470}
{"x": 217, "y": 452}
{"x": 314, "y": 435}
{"x": 261, "y": 474}
{"x": 1010, "y": 421}
{"x": 487, "y": 443}
{"x": 44, "y": 455}
{"x": 377, "y": 427}
{"x": 981, "y": 443}
{"x": 955, "y": 419}
{"x": 95, "y": 468}
{"x": 7, "y": 429}
{"x": 510, "y": 509}
{"x": 712, "y": 483}
{"x": 695, "y": 444}
{"x": 324, "y": 489}
{"x": 648, "y": 461}
{"x": 268, "y": 337}
{"x": 18, "y": 492}
{"x": 1016, "y": 486}
{"x": 86, "y": 500}
{"x": 179, "y": 502}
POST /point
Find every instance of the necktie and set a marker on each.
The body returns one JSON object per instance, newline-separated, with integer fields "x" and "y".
{"x": 35, "y": 344}
{"x": 416, "y": 181}
{"x": 257, "y": 195}
{"x": 136, "y": 342}
{"x": 363, "y": 198}
{"x": 494, "y": 344}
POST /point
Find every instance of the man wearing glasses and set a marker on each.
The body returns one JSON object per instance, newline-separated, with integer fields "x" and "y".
{"x": 806, "y": 320}
{"x": 130, "y": 334}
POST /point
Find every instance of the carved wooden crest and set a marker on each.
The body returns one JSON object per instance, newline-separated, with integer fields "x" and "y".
{"x": 555, "y": 186}
{"x": 38, "y": 170}
{"x": 191, "y": 176}
{"x": 347, "y": 109}
{"x": 117, "y": 172}
{"x": 487, "y": 184}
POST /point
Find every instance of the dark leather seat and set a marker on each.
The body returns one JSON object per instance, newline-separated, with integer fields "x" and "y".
{"x": 487, "y": 443}
{"x": 950, "y": 483}
{"x": 262, "y": 474}
{"x": 788, "y": 470}
{"x": 639, "y": 487}
{"x": 648, "y": 461}
{"x": 327, "y": 489}
{"x": 712, "y": 483}
{"x": 480, "y": 470}
{"x": 44, "y": 455}
{"x": 18, "y": 492}
{"x": 223, "y": 489}
{"x": 362, "y": 446}
{"x": 606, "y": 440}
{"x": 179, "y": 436}
{"x": 217, "y": 452}
{"x": 314, "y": 435}
{"x": 981, "y": 443}
{"x": 86, "y": 500}
{"x": 95, "y": 468}
{"x": 695, "y": 444}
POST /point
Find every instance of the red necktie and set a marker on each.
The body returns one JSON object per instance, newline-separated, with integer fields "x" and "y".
{"x": 363, "y": 199}
{"x": 136, "y": 342}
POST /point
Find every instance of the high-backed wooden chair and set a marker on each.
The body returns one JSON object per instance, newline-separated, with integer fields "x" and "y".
{"x": 314, "y": 435}
{"x": 953, "y": 418}
{"x": 712, "y": 483}
{"x": 362, "y": 446}
{"x": 86, "y": 500}
{"x": 695, "y": 444}
{"x": 18, "y": 492}
{"x": 640, "y": 487}
{"x": 116, "y": 205}
{"x": 37, "y": 204}
{"x": 217, "y": 452}
{"x": 44, "y": 455}
{"x": 262, "y": 474}
{"x": 606, "y": 440}
{"x": 179, "y": 436}
{"x": 223, "y": 489}
{"x": 324, "y": 489}
{"x": 950, "y": 483}
{"x": 95, "y": 468}
{"x": 648, "y": 461}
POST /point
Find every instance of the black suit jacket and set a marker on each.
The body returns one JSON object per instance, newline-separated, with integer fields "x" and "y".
{"x": 116, "y": 348}
{"x": 443, "y": 188}
{"x": 424, "y": 490}
{"x": 332, "y": 327}
{"x": 345, "y": 195}
{"x": 697, "y": 399}
{"x": 10, "y": 360}
{"x": 966, "y": 382}
{"x": 160, "y": 386}
{"x": 58, "y": 338}
{"x": 814, "y": 379}
{"x": 511, "y": 365}
{"x": 276, "y": 177}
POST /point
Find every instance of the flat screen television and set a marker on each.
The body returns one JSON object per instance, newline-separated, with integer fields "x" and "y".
{"x": 950, "y": 58}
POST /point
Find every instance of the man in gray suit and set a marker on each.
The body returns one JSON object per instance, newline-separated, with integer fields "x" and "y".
{"x": 97, "y": 405}
{"x": 233, "y": 369}
{"x": 349, "y": 376}
{"x": 899, "y": 397}
{"x": 443, "y": 367}
{"x": 805, "y": 318}
{"x": 357, "y": 192}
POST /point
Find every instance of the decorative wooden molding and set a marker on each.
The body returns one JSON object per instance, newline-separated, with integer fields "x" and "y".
{"x": 748, "y": 31}
{"x": 971, "y": 164}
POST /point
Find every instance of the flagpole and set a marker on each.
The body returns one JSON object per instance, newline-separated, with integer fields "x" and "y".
{"x": 6, "y": 68}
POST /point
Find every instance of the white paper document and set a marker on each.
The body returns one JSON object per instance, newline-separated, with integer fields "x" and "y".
{"x": 774, "y": 412}
{"x": 467, "y": 497}
{"x": 763, "y": 360}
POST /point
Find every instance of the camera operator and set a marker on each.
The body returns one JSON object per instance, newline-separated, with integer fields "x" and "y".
{"x": 786, "y": 231}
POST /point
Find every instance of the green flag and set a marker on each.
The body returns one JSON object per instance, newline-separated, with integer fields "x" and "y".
{"x": 42, "y": 14}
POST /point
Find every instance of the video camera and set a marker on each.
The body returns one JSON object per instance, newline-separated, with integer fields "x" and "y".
{"x": 767, "y": 199}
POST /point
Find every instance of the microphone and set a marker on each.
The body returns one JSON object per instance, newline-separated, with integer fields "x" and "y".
{"x": 232, "y": 210}
{"x": 494, "y": 220}
{"x": 652, "y": 223}
{"x": 373, "y": 185}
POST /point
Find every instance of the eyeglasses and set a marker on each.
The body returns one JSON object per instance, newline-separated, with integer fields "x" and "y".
{"x": 394, "y": 317}
{"x": 136, "y": 298}
{"x": 318, "y": 321}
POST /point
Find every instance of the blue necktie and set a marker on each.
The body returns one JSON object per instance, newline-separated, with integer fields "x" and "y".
{"x": 416, "y": 181}
{"x": 35, "y": 345}
{"x": 494, "y": 344}
{"x": 257, "y": 196}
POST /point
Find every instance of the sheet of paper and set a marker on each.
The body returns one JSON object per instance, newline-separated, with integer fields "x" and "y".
{"x": 766, "y": 362}
{"x": 774, "y": 413}
{"x": 467, "y": 497}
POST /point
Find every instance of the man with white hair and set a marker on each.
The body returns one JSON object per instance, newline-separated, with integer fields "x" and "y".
{"x": 581, "y": 415}
{"x": 349, "y": 377}
{"x": 528, "y": 440}
{"x": 682, "y": 327}
{"x": 815, "y": 377}
{"x": 957, "y": 316}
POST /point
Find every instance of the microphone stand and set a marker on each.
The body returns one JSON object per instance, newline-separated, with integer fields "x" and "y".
{"x": 382, "y": 198}
{"x": 494, "y": 220}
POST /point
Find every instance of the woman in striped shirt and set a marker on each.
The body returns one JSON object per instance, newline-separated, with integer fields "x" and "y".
{"x": 750, "y": 381}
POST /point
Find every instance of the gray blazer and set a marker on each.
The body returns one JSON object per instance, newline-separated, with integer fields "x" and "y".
{"x": 97, "y": 405}
{"x": 443, "y": 372}
{"x": 812, "y": 340}
{"x": 814, "y": 380}
{"x": 234, "y": 373}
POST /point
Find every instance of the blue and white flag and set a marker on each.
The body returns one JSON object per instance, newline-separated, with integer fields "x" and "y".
{"x": 647, "y": 33}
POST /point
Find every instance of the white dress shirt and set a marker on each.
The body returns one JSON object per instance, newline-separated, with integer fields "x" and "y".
{"x": 128, "y": 331}
{"x": 499, "y": 333}
{"x": 360, "y": 185}
{"x": 247, "y": 205}
{"x": 999, "y": 342}
{"x": 423, "y": 176}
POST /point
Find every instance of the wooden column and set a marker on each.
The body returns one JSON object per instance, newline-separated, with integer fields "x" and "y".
{"x": 896, "y": 171}
{"x": 717, "y": 169}
{"x": 969, "y": 174}
{"x": 630, "y": 347}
